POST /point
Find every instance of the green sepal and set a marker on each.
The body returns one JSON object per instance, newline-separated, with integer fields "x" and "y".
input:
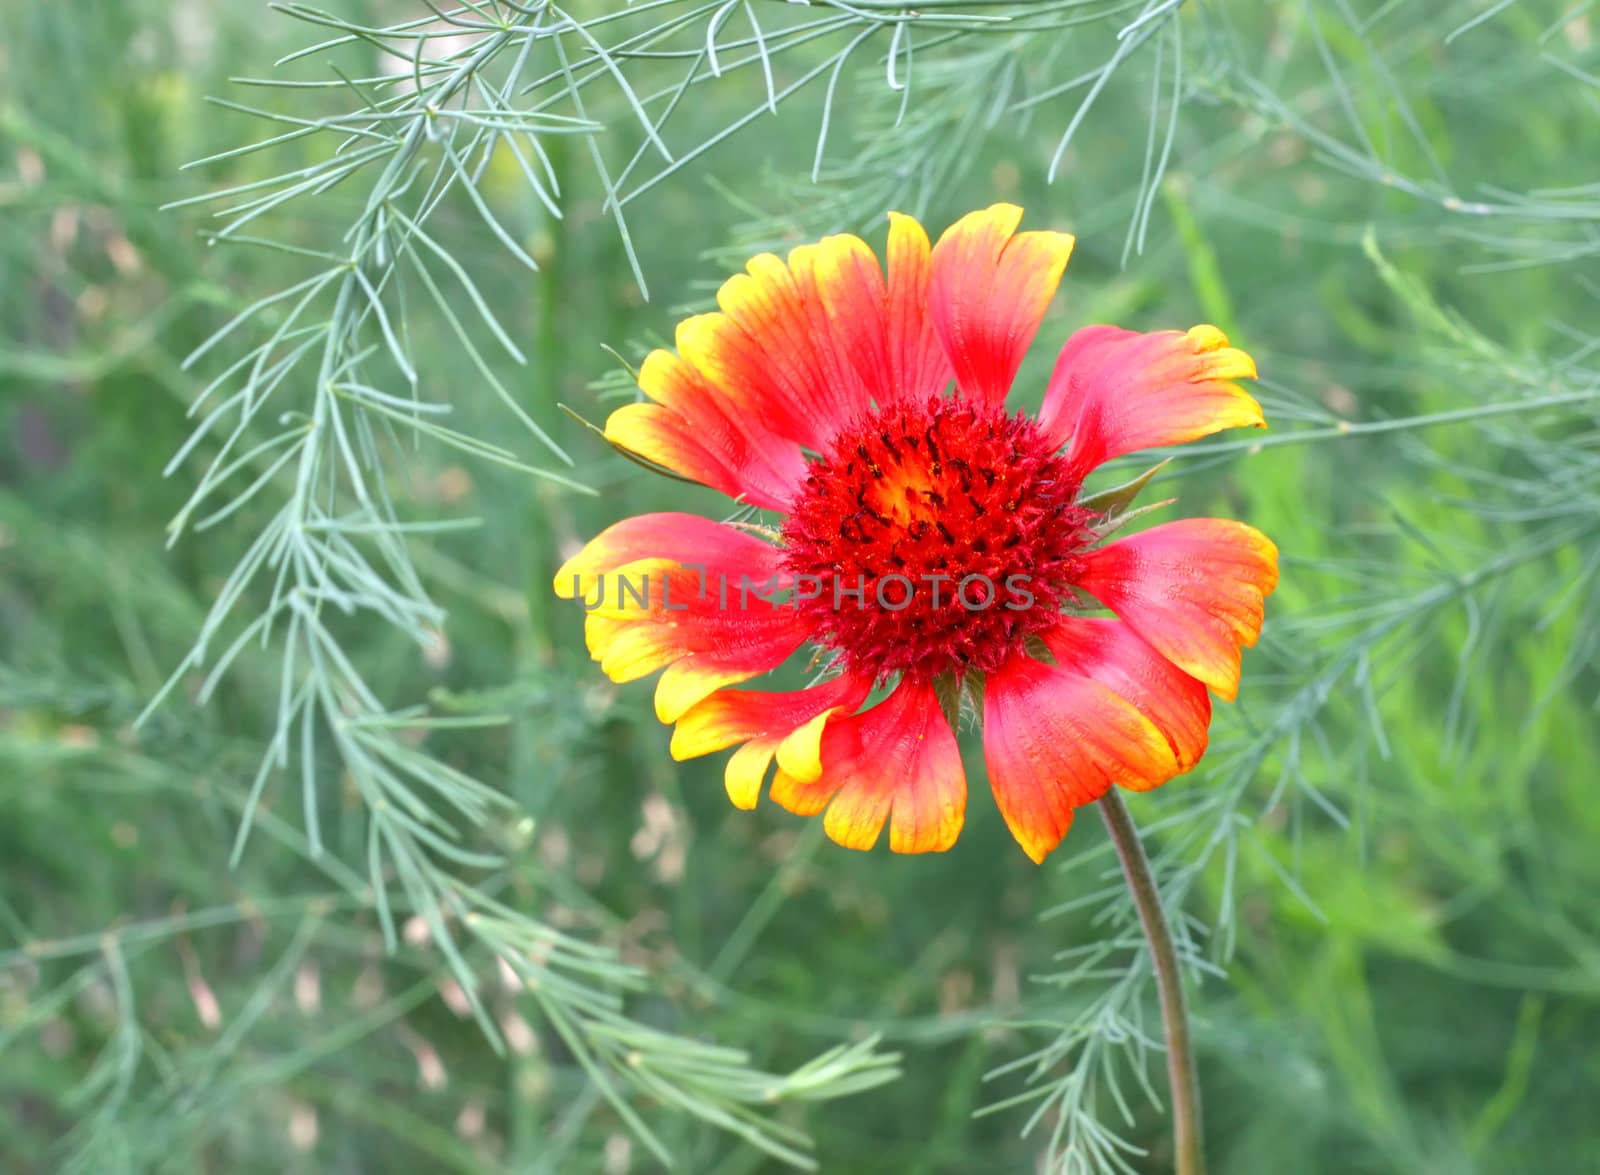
{"x": 1112, "y": 525}
{"x": 948, "y": 690}
{"x": 972, "y": 690}
{"x": 633, "y": 372}
{"x": 1118, "y": 498}
{"x": 960, "y": 697}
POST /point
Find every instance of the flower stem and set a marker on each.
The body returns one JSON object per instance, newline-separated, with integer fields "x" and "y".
{"x": 1187, "y": 1139}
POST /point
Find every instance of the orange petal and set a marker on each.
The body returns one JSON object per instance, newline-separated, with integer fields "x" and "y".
{"x": 1110, "y": 652}
{"x": 917, "y": 362}
{"x": 1194, "y": 589}
{"x": 682, "y": 606}
{"x": 796, "y": 344}
{"x": 767, "y": 723}
{"x": 679, "y": 538}
{"x": 679, "y": 618}
{"x": 705, "y": 649}
{"x": 1116, "y": 391}
{"x": 988, "y": 292}
{"x": 691, "y": 679}
{"x": 898, "y": 763}
{"x": 696, "y": 430}
{"x": 844, "y": 274}
{"x": 1054, "y": 741}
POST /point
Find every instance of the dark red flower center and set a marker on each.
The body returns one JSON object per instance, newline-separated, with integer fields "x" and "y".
{"x": 935, "y": 537}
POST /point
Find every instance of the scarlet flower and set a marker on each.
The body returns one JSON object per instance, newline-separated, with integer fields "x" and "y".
{"x": 931, "y": 543}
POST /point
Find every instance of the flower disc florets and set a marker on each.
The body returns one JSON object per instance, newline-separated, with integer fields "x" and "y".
{"x": 935, "y": 536}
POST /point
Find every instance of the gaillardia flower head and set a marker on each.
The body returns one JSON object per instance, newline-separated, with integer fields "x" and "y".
{"x": 931, "y": 545}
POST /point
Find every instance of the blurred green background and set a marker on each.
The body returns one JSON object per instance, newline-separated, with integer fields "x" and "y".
{"x": 1387, "y": 858}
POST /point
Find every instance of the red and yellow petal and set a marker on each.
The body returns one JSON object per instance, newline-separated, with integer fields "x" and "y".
{"x": 1112, "y": 653}
{"x": 683, "y": 539}
{"x": 897, "y": 763}
{"x": 1194, "y": 589}
{"x": 701, "y": 652}
{"x": 988, "y": 290}
{"x": 786, "y": 724}
{"x": 680, "y": 607}
{"x": 1054, "y": 741}
{"x": 676, "y": 619}
{"x": 795, "y": 344}
{"x": 843, "y": 272}
{"x": 698, "y": 431}
{"x": 1116, "y": 391}
{"x": 918, "y": 366}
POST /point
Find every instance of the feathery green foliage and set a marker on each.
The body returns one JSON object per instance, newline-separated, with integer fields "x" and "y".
{"x": 322, "y": 845}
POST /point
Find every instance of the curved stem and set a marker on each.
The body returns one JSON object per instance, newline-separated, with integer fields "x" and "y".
{"x": 1188, "y": 1142}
